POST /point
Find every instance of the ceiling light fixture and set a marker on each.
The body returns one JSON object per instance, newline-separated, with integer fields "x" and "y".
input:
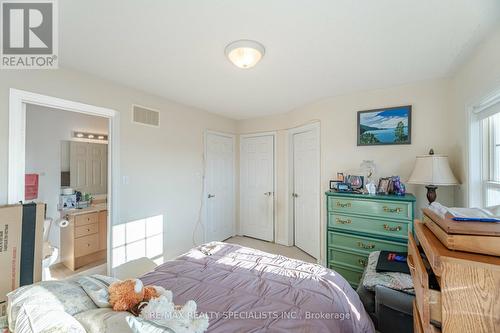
{"x": 92, "y": 136}
{"x": 245, "y": 53}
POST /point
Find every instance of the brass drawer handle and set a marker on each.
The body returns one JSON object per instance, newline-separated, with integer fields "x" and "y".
{"x": 343, "y": 205}
{"x": 411, "y": 265}
{"x": 392, "y": 210}
{"x": 363, "y": 262}
{"x": 340, "y": 221}
{"x": 389, "y": 228}
{"x": 366, "y": 246}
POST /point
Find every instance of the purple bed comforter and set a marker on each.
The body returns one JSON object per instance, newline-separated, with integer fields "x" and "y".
{"x": 246, "y": 290}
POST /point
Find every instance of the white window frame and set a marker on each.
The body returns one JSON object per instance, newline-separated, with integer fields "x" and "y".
{"x": 477, "y": 182}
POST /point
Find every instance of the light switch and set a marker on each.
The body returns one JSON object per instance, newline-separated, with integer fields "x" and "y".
{"x": 126, "y": 180}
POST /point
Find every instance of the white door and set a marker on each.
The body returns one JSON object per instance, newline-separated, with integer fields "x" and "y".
{"x": 219, "y": 183}
{"x": 306, "y": 191}
{"x": 88, "y": 167}
{"x": 257, "y": 187}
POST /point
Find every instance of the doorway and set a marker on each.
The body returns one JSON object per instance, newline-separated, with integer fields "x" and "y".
{"x": 219, "y": 186}
{"x": 257, "y": 186}
{"x": 18, "y": 102}
{"x": 305, "y": 185}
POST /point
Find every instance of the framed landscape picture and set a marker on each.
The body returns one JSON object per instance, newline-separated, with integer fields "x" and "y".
{"x": 388, "y": 126}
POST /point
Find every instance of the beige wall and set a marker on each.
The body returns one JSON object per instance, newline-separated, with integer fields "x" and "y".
{"x": 164, "y": 165}
{"x": 339, "y": 150}
{"x": 477, "y": 78}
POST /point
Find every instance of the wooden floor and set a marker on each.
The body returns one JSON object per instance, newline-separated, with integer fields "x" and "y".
{"x": 60, "y": 272}
{"x": 287, "y": 251}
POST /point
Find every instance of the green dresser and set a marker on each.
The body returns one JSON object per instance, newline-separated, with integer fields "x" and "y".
{"x": 359, "y": 224}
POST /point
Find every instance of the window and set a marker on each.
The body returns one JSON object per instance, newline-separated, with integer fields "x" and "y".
{"x": 491, "y": 160}
{"x": 137, "y": 239}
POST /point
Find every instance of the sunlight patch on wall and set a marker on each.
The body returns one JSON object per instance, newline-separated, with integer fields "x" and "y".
{"x": 137, "y": 239}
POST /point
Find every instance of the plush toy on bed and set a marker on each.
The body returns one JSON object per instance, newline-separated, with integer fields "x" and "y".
{"x": 155, "y": 304}
{"x": 127, "y": 295}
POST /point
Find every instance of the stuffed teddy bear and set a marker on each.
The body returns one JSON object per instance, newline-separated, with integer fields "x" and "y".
{"x": 127, "y": 295}
{"x": 181, "y": 319}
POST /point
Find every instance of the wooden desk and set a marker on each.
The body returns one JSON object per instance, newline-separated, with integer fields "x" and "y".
{"x": 469, "y": 295}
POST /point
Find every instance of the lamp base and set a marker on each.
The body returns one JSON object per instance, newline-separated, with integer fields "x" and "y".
{"x": 431, "y": 193}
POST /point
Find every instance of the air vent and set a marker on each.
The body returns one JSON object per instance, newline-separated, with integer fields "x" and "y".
{"x": 145, "y": 116}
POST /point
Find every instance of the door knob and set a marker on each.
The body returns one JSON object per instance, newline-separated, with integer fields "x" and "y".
{"x": 210, "y": 196}
{"x": 295, "y": 195}
{"x": 268, "y": 193}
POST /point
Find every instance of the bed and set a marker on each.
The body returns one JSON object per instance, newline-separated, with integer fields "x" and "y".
{"x": 240, "y": 289}
{"x": 246, "y": 290}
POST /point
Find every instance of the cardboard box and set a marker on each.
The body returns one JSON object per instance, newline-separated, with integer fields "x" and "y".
{"x": 10, "y": 241}
{"x": 21, "y": 246}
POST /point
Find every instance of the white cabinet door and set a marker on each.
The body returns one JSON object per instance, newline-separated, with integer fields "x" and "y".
{"x": 89, "y": 167}
{"x": 257, "y": 187}
{"x": 306, "y": 189}
{"x": 219, "y": 182}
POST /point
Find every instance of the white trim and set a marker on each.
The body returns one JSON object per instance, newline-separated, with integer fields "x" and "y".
{"x": 205, "y": 193}
{"x": 17, "y": 138}
{"x": 290, "y": 225}
{"x": 475, "y": 190}
{"x": 275, "y": 179}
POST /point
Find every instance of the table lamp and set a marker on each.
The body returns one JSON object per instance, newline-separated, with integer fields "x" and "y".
{"x": 432, "y": 170}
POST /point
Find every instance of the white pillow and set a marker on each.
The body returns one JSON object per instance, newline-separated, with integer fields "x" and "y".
{"x": 65, "y": 296}
{"x": 37, "y": 319}
{"x": 96, "y": 287}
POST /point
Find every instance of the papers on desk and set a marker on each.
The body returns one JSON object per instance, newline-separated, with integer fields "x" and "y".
{"x": 489, "y": 214}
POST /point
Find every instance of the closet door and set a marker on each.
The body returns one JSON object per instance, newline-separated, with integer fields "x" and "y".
{"x": 306, "y": 191}
{"x": 257, "y": 186}
{"x": 219, "y": 180}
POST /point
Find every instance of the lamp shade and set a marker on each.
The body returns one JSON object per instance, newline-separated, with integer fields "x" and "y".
{"x": 432, "y": 170}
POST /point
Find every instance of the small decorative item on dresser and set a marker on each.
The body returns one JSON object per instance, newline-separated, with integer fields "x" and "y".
{"x": 398, "y": 188}
{"x": 355, "y": 182}
{"x": 340, "y": 176}
{"x": 383, "y": 186}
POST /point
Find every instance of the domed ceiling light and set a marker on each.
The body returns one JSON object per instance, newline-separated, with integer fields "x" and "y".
{"x": 245, "y": 53}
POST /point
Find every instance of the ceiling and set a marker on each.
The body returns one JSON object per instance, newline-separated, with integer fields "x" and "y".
{"x": 314, "y": 48}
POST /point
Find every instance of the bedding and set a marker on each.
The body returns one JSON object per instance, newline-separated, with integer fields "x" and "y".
{"x": 55, "y": 296}
{"x": 246, "y": 290}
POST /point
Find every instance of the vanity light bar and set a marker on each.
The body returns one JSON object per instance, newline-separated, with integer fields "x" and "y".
{"x": 92, "y": 136}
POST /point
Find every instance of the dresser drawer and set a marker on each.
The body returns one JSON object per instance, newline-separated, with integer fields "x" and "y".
{"x": 86, "y": 245}
{"x": 85, "y": 219}
{"x": 380, "y": 208}
{"x": 353, "y": 276}
{"x": 349, "y": 258}
{"x": 363, "y": 244}
{"x": 86, "y": 230}
{"x": 398, "y": 229}
{"x": 428, "y": 301}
